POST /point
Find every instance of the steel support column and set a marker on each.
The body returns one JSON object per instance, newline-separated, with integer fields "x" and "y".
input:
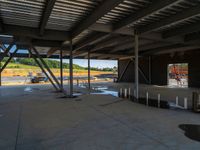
{"x": 61, "y": 68}
{"x": 89, "y": 70}
{"x": 43, "y": 70}
{"x": 71, "y": 69}
{"x": 136, "y": 66}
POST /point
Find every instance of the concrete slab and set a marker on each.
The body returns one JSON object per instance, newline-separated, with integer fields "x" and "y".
{"x": 167, "y": 93}
{"x": 39, "y": 120}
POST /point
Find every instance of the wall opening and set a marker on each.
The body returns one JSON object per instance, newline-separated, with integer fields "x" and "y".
{"x": 178, "y": 75}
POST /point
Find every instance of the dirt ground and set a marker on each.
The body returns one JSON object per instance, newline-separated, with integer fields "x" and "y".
{"x": 19, "y": 76}
{"x": 10, "y": 72}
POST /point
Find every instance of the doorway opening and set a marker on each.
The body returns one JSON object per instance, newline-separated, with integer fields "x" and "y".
{"x": 178, "y": 75}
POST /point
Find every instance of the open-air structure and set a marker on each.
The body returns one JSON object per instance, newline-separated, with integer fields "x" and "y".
{"x": 111, "y": 29}
{"x": 144, "y": 36}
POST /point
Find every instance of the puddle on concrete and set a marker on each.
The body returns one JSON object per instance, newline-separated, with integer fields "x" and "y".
{"x": 99, "y": 88}
{"x": 104, "y": 91}
{"x": 192, "y": 131}
{"x": 174, "y": 106}
{"x": 28, "y": 89}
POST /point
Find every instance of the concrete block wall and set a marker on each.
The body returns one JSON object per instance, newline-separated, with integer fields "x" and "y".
{"x": 159, "y": 65}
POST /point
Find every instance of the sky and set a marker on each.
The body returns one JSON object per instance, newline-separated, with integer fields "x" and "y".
{"x": 84, "y": 62}
{"x": 95, "y": 63}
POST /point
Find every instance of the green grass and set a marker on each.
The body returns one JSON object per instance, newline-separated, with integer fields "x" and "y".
{"x": 20, "y": 66}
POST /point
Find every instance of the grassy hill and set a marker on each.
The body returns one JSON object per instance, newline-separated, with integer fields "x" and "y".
{"x": 21, "y": 66}
{"x": 28, "y": 63}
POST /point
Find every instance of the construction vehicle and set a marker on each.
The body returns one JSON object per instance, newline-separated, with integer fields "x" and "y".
{"x": 40, "y": 77}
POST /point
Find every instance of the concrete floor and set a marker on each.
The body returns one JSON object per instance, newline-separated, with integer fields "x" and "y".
{"x": 167, "y": 93}
{"x": 40, "y": 120}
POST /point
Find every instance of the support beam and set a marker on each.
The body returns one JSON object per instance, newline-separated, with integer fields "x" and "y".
{"x": 99, "y": 12}
{"x": 24, "y": 55}
{"x": 6, "y": 51}
{"x": 143, "y": 74}
{"x": 104, "y": 55}
{"x": 61, "y": 68}
{"x": 43, "y": 70}
{"x": 80, "y": 54}
{"x": 180, "y": 49}
{"x": 113, "y": 41}
{"x": 46, "y": 43}
{"x": 89, "y": 70}
{"x": 2, "y": 46}
{"x": 109, "y": 29}
{"x": 98, "y": 37}
{"x": 71, "y": 69}
{"x": 154, "y": 46}
{"x": 52, "y": 51}
{"x": 179, "y": 17}
{"x": 154, "y": 7}
{"x": 136, "y": 66}
{"x": 183, "y": 30}
{"x": 124, "y": 71}
{"x": 168, "y": 49}
{"x": 86, "y": 41}
{"x": 33, "y": 33}
{"x": 9, "y": 59}
{"x": 46, "y": 14}
{"x": 149, "y": 48}
{"x": 48, "y": 69}
{"x": 130, "y": 45}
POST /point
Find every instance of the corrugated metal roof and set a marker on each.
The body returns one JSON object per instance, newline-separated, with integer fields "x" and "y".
{"x": 22, "y": 12}
{"x": 123, "y": 10}
{"x": 180, "y": 6}
{"x": 67, "y": 13}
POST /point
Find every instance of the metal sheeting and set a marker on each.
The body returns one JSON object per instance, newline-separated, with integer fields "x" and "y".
{"x": 85, "y": 33}
{"x": 67, "y": 13}
{"x": 22, "y": 12}
{"x": 122, "y": 11}
{"x": 180, "y": 6}
{"x": 189, "y": 21}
